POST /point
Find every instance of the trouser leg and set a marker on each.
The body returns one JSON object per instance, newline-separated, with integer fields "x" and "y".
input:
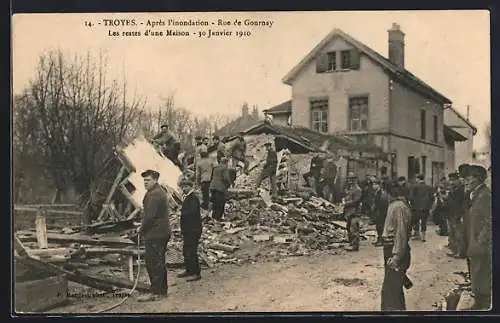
{"x": 481, "y": 285}
{"x": 392, "y": 294}
{"x": 205, "y": 191}
{"x": 354, "y": 232}
{"x": 190, "y": 251}
{"x": 155, "y": 264}
{"x": 424, "y": 216}
{"x": 272, "y": 182}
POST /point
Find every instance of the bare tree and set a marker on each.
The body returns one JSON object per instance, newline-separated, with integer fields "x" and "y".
{"x": 487, "y": 133}
{"x": 71, "y": 116}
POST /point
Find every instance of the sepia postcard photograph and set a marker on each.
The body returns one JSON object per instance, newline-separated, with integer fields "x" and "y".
{"x": 229, "y": 162}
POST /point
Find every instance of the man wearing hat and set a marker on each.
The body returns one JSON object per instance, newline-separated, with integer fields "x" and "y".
{"x": 170, "y": 147}
{"x": 191, "y": 231}
{"x": 221, "y": 181}
{"x": 478, "y": 232}
{"x": 155, "y": 230}
{"x": 395, "y": 239}
{"x": 269, "y": 170}
{"x": 204, "y": 170}
{"x": 352, "y": 201}
{"x": 454, "y": 201}
{"x": 238, "y": 152}
{"x": 217, "y": 146}
{"x": 421, "y": 202}
{"x": 379, "y": 207}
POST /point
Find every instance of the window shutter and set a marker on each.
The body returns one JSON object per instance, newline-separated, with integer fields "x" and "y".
{"x": 321, "y": 63}
{"x": 355, "y": 59}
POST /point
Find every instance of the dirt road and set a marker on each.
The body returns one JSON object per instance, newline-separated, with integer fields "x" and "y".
{"x": 342, "y": 282}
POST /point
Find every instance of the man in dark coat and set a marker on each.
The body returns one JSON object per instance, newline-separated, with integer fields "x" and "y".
{"x": 352, "y": 201}
{"x": 269, "y": 170}
{"x": 397, "y": 258}
{"x": 170, "y": 147}
{"x": 155, "y": 230}
{"x": 421, "y": 202}
{"x": 456, "y": 230}
{"x": 219, "y": 184}
{"x": 238, "y": 152}
{"x": 314, "y": 174}
{"x": 380, "y": 204}
{"x": 204, "y": 170}
{"x": 329, "y": 176}
{"x": 191, "y": 231}
{"x": 479, "y": 236}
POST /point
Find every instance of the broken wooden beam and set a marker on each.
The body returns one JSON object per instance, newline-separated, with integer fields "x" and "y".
{"x": 41, "y": 294}
{"x": 101, "y": 282}
{"x": 77, "y": 238}
{"x": 94, "y": 251}
{"x": 48, "y": 211}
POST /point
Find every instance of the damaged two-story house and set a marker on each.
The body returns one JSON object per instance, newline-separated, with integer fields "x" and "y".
{"x": 343, "y": 87}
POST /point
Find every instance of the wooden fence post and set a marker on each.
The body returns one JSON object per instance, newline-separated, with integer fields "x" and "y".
{"x": 41, "y": 229}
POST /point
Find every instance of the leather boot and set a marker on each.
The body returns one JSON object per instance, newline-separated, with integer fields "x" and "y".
{"x": 422, "y": 236}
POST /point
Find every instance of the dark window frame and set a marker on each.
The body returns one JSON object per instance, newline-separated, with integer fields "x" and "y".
{"x": 356, "y": 100}
{"x": 345, "y": 59}
{"x": 319, "y": 114}
{"x": 332, "y": 60}
{"x": 436, "y": 128}
{"x": 423, "y": 125}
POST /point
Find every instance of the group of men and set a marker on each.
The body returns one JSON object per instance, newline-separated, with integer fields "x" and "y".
{"x": 322, "y": 177}
{"x": 404, "y": 209}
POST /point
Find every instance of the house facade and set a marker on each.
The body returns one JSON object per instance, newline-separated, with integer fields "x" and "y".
{"x": 461, "y": 124}
{"x": 343, "y": 87}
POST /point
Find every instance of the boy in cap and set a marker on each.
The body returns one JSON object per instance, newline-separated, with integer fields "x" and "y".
{"x": 191, "y": 231}
{"x": 269, "y": 170}
{"x": 155, "y": 230}
{"x": 479, "y": 240}
{"x": 395, "y": 239}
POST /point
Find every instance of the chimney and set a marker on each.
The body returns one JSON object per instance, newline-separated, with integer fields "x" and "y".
{"x": 396, "y": 45}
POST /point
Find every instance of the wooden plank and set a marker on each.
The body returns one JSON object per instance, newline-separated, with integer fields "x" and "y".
{"x": 30, "y": 206}
{"x": 77, "y": 238}
{"x": 48, "y": 211}
{"x": 131, "y": 268}
{"x": 101, "y": 282}
{"x": 40, "y": 295}
{"x": 48, "y": 252}
{"x": 104, "y": 251}
{"x": 41, "y": 230}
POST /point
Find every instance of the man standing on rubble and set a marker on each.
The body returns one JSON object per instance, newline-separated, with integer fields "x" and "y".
{"x": 380, "y": 204}
{"x": 315, "y": 170}
{"x": 329, "y": 175}
{"x": 204, "y": 170}
{"x": 479, "y": 241}
{"x": 218, "y": 188}
{"x": 397, "y": 258}
{"x": 456, "y": 233}
{"x": 238, "y": 152}
{"x": 269, "y": 170}
{"x": 169, "y": 146}
{"x": 219, "y": 147}
{"x": 155, "y": 230}
{"x": 352, "y": 202}
{"x": 421, "y": 202}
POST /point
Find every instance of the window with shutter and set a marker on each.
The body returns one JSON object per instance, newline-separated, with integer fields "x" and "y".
{"x": 346, "y": 59}
{"x": 321, "y": 63}
{"x": 332, "y": 61}
{"x": 422, "y": 124}
{"x": 355, "y": 59}
{"x": 358, "y": 113}
{"x": 319, "y": 115}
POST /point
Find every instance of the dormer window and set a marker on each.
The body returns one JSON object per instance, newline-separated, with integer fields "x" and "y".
{"x": 346, "y": 59}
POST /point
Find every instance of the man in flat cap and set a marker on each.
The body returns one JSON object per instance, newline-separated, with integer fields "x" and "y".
{"x": 218, "y": 146}
{"x": 395, "y": 237}
{"x": 169, "y": 146}
{"x": 421, "y": 202}
{"x": 379, "y": 208}
{"x": 352, "y": 203}
{"x": 238, "y": 152}
{"x": 269, "y": 170}
{"x": 155, "y": 230}
{"x": 455, "y": 201}
{"x": 478, "y": 228}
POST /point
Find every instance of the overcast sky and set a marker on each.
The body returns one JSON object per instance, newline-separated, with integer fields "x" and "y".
{"x": 450, "y": 50}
